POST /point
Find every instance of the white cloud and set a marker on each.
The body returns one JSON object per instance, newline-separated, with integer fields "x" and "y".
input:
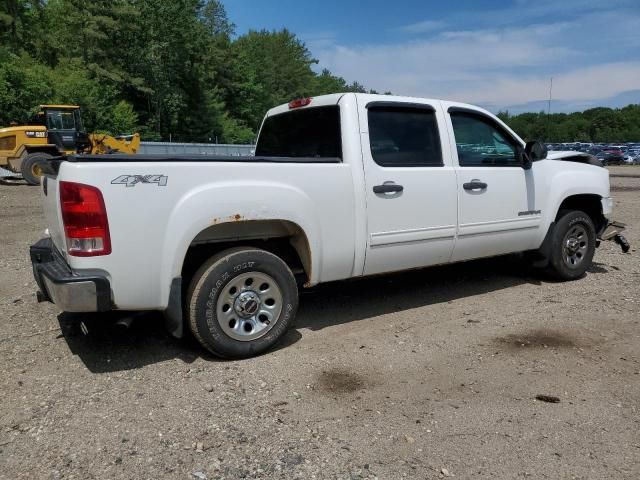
{"x": 591, "y": 56}
{"x": 590, "y": 83}
{"x": 425, "y": 26}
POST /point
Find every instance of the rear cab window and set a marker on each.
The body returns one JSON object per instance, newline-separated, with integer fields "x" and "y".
{"x": 310, "y": 132}
{"x": 404, "y": 136}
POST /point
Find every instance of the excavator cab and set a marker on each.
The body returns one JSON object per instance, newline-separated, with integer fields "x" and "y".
{"x": 64, "y": 127}
{"x": 52, "y": 131}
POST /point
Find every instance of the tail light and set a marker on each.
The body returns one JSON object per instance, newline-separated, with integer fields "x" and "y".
{"x": 300, "y": 102}
{"x": 84, "y": 215}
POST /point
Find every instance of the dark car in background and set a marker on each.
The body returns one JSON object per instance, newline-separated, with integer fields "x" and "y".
{"x": 611, "y": 157}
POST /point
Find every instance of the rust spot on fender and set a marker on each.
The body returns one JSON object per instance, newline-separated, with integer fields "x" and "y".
{"x": 231, "y": 218}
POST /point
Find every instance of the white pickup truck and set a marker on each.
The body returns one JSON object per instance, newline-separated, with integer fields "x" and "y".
{"x": 340, "y": 186}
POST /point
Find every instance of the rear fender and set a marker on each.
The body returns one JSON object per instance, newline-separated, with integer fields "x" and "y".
{"x": 195, "y": 213}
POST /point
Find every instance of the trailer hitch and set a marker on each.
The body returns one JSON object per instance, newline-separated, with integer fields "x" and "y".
{"x": 613, "y": 232}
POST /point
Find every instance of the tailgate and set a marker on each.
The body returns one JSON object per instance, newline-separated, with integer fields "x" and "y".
{"x": 53, "y": 218}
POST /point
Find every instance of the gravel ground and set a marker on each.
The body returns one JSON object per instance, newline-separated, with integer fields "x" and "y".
{"x": 421, "y": 375}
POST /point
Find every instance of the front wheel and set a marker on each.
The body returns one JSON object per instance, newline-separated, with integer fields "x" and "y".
{"x": 31, "y": 167}
{"x": 241, "y": 302}
{"x": 573, "y": 245}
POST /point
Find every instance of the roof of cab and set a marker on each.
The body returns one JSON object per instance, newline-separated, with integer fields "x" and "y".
{"x": 334, "y": 99}
{"x": 60, "y": 106}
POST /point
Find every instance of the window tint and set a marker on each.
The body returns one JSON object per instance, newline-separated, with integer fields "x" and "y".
{"x": 404, "y": 137}
{"x": 481, "y": 143}
{"x": 311, "y": 132}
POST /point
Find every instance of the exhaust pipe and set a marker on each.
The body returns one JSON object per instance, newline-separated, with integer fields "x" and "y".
{"x": 124, "y": 323}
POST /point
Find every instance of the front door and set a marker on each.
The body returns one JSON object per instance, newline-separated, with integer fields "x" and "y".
{"x": 61, "y": 124}
{"x": 410, "y": 186}
{"x": 498, "y": 209}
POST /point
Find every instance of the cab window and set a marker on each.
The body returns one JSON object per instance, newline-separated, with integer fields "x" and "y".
{"x": 404, "y": 137}
{"x": 310, "y": 132}
{"x": 480, "y": 142}
{"x": 60, "y": 120}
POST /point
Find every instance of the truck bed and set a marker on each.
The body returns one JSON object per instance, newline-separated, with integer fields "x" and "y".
{"x": 117, "y": 157}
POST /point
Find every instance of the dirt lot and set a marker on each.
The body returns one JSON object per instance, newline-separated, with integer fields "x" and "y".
{"x": 419, "y": 375}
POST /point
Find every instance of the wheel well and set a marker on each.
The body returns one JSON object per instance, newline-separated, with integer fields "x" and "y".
{"x": 282, "y": 238}
{"x": 588, "y": 203}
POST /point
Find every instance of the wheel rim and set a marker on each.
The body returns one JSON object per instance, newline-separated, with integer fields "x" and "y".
{"x": 36, "y": 170}
{"x": 575, "y": 246}
{"x": 249, "y": 306}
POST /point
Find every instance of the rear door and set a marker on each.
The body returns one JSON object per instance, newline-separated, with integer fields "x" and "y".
{"x": 498, "y": 208}
{"x": 410, "y": 185}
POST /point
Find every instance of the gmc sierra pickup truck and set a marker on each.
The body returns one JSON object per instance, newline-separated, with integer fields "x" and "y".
{"x": 340, "y": 186}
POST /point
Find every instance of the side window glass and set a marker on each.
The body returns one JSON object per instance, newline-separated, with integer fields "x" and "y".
{"x": 404, "y": 137}
{"x": 481, "y": 143}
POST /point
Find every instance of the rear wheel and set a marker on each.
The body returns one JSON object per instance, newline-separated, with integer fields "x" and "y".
{"x": 573, "y": 244}
{"x": 32, "y": 165}
{"x": 241, "y": 302}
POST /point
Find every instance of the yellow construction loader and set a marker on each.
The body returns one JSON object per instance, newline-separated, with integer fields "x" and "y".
{"x": 53, "y": 131}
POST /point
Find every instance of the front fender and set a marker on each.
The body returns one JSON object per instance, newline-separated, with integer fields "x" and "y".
{"x": 580, "y": 179}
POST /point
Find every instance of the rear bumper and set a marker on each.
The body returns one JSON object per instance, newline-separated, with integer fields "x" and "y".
{"x": 59, "y": 284}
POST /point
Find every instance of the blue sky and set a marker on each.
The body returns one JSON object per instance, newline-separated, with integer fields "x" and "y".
{"x": 499, "y": 54}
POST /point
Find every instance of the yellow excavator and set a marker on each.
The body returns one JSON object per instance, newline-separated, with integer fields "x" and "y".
{"x": 53, "y": 131}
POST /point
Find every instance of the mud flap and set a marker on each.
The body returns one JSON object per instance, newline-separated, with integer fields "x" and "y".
{"x": 173, "y": 313}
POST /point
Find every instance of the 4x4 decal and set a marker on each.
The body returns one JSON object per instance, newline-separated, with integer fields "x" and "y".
{"x": 133, "y": 180}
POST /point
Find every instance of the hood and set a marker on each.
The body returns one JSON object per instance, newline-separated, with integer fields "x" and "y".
{"x": 578, "y": 157}
{"x": 23, "y": 128}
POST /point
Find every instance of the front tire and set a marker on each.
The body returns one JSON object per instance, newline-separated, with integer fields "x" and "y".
{"x": 31, "y": 167}
{"x": 241, "y": 302}
{"x": 573, "y": 245}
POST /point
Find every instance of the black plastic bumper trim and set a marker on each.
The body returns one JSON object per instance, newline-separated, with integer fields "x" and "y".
{"x": 47, "y": 262}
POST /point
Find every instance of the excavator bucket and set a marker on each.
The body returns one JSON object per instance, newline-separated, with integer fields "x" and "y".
{"x": 105, "y": 144}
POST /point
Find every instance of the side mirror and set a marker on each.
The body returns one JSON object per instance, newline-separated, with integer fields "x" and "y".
{"x": 525, "y": 159}
{"x": 536, "y": 151}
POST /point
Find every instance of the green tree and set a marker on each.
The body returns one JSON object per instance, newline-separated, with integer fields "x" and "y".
{"x": 124, "y": 119}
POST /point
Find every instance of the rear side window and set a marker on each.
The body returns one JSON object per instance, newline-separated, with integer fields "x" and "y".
{"x": 404, "y": 137}
{"x": 311, "y": 132}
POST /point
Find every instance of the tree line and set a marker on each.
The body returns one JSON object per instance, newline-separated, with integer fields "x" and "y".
{"x": 175, "y": 69}
{"x": 596, "y": 125}
{"x": 166, "y": 68}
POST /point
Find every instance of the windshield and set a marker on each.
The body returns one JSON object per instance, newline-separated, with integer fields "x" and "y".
{"x": 61, "y": 119}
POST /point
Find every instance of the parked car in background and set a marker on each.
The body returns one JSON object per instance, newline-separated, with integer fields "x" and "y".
{"x": 611, "y": 157}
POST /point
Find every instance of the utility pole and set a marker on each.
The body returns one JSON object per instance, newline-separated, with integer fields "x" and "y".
{"x": 549, "y": 109}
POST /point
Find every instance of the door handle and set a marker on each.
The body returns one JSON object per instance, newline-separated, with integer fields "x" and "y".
{"x": 474, "y": 185}
{"x": 388, "y": 188}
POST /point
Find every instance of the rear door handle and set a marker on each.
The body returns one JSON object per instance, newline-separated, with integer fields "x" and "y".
{"x": 474, "y": 185}
{"x": 388, "y": 188}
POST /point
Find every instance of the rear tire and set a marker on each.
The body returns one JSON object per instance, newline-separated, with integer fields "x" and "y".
{"x": 573, "y": 244}
{"x": 241, "y": 302}
{"x": 31, "y": 167}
